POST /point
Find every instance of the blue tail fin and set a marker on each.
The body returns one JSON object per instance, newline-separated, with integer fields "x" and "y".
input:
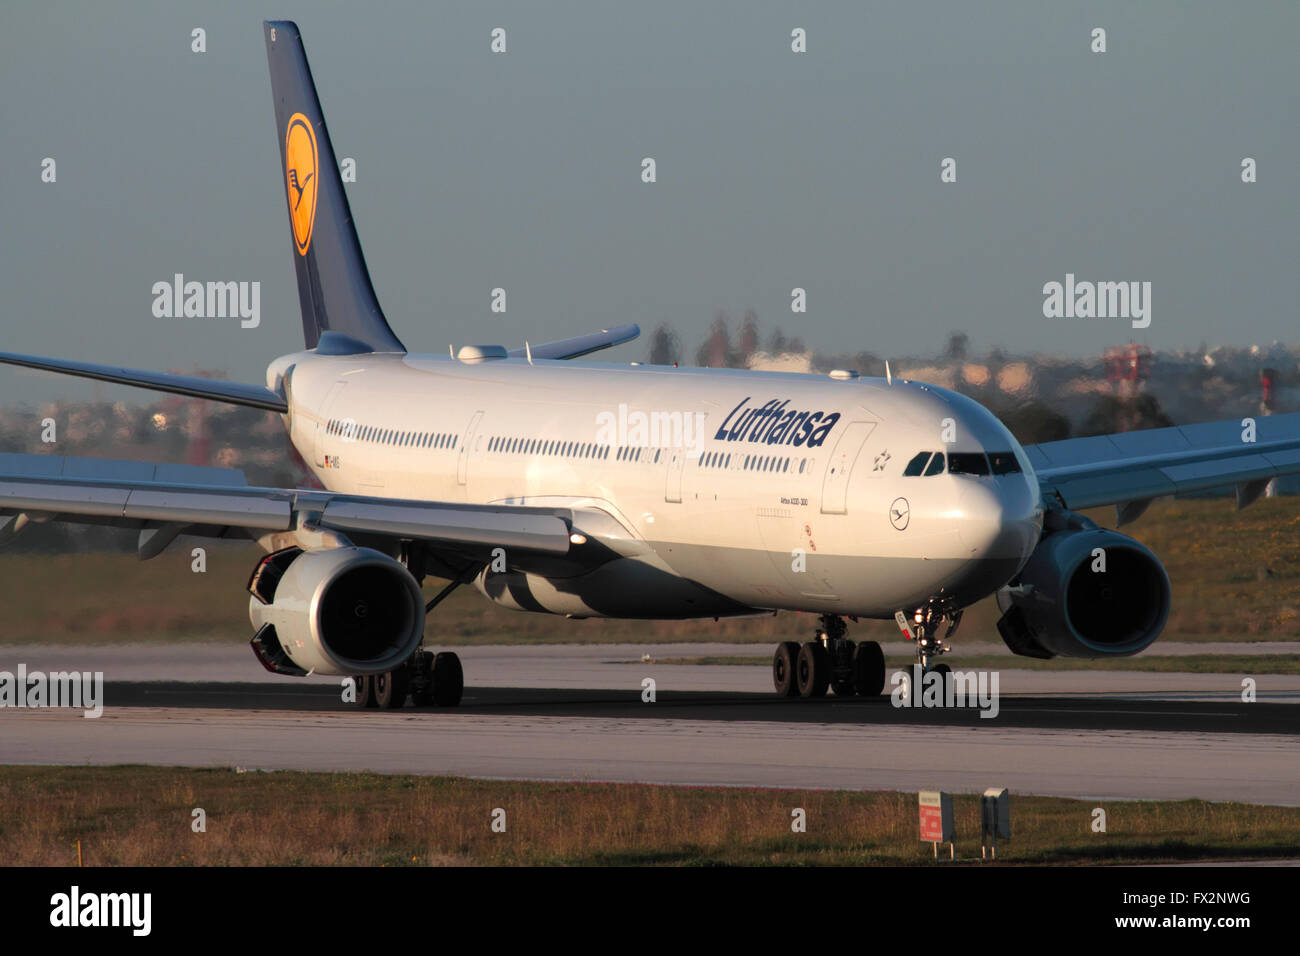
{"x": 334, "y": 287}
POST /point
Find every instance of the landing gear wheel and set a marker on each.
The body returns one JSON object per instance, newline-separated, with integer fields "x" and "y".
{"x": 869, "y": 669}
{"x": 448, "y": 680}
{"x": 392, "y": 687}
{"x": 814, "y": 670}
{"x": 365, "y": 686}
{"x": 422, "y": 695}
{"x": 943, "y": 670}
{"x": 785, "y": 663}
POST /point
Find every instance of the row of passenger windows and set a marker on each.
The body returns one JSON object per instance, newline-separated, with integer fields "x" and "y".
{"x": 569, "y": 449}
{"x": 713, "y": 459}
{"x": 391, "y": 436}
{"x": 923, "y": 464}
{"x": 717, "y": 459}
{"x": 928, "y": 463}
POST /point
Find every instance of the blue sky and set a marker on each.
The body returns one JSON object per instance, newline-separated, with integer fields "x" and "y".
{"x": 522, "y": 170}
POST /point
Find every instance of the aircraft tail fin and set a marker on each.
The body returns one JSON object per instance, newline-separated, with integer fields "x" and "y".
{"x": 334, "y": 287}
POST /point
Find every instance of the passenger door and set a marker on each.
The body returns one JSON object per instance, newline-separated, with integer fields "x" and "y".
{"x": 835, "y": 485}
{"x": 462, "y": 461}
{"x": 676, "y": 464}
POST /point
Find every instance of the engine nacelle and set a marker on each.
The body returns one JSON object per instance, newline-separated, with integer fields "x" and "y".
{"x": 1062, "y": 603}
{"x": 334, "y": 611}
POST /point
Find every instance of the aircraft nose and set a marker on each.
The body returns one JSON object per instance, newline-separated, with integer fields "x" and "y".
{"x": 998, "y": 519}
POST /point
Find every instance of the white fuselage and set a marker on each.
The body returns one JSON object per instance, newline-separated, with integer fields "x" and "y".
{"x": 760, "y": 489}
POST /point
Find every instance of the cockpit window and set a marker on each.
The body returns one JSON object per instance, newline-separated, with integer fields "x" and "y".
{"x": 917, "y": 465}
{"x": 936, "y": 465}
{"x": 968, "y": 463}
{"x": 1004, "y": 463}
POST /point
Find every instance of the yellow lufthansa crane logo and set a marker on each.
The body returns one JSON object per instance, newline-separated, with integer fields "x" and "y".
{"x": 301, "y": 178}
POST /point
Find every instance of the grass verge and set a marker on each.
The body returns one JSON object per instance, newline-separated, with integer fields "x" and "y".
{"x": 133, "y": 815}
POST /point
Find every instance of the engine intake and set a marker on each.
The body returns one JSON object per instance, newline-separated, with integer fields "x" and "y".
{"x": 1063, "y": 603}
{"x": 334, "y": 611}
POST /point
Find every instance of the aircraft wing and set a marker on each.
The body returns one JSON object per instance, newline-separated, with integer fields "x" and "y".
{"x": 582, "y": 344}
{"x": 1130, "y": 469}
{"x": 162, "y": 501}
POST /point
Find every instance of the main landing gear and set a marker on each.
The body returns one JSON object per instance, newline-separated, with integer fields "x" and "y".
{"x": 428, "y": 679}
{"x": 831, "y": 661}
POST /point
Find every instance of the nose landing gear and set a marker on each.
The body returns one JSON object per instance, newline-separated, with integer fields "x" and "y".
{"x": 830, "y": 661}
{"x": 924, "y": 629}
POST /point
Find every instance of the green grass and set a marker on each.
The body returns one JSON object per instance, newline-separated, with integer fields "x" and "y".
{"x": 141, "y": 816}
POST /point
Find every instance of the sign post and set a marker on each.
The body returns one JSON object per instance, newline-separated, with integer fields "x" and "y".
{"x": 936, "y": 820}
{"x": 995, "y": 820}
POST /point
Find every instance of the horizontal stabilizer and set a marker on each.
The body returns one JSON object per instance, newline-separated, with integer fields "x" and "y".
{"x": 234, "y": 393}
{"x": 582, "y": 344}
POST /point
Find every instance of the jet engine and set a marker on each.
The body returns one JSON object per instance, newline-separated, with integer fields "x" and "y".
{"x": 338, "y": 611}
{"x": 1085, "y": 592}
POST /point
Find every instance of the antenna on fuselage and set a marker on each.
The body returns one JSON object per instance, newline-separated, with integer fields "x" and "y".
{"x": 528, "y": 350}
{"x": 889, "y": 378}
{"x": 451, "y": 350}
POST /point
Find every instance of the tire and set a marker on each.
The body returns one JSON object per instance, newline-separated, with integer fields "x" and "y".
{"x": 392, "y": 688}
{"x": 944, "y": 672}
{"x": 448, "y": 680}
{"x": 869, "y": 669}
{"x": 785, "y": 663}
{"x": 365, "y": 686}
{"x": 843, "y": 688}
{"x": 813, "y": 670}
{"x": 424, "y": 696}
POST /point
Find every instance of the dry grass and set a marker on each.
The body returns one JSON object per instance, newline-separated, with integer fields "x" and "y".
{"x": 1235, "y": 576}
{"x": 142, "y": 816}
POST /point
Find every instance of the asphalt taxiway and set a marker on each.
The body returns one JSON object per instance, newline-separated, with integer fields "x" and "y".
{"x": 574, "y": 712}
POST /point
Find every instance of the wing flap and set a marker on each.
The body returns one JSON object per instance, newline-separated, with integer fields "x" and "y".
{"x": 56, "y": 496}
{"x": 251, "y": 508}
{"x": 487, "y": 527}
{"x": 1104, "y": 489}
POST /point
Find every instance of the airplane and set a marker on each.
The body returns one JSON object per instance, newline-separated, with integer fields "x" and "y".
{"x": 591, "y": 489}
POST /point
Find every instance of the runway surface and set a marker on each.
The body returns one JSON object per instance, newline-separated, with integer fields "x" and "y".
{"x": 574, "y": 712}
